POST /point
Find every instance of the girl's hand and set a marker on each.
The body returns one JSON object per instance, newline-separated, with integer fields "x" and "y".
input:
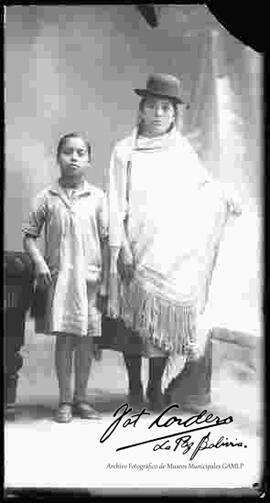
{"x": 102, "y": 298}
{"x": 43, "y": 275}
{"x": 103, "y": 289}
{"x": 113, "y": 300}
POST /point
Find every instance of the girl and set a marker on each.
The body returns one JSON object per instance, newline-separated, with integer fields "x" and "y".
{"x": 74, "y": 270}
{"x": 166, "y": 220}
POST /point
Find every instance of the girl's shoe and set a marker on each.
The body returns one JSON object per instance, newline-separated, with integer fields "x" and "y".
{"x": 85, "y": 411}
{"x": 64, "y": 413}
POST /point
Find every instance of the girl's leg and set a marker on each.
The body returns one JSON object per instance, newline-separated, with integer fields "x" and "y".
{"x": 83, "y": 361}
{"x": 63, "y": 365}
{"x": 156, "y": 369}
{"x": 133, "y": 365}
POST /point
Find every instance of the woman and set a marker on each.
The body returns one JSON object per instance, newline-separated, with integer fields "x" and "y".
{"x": 166, "y": 220}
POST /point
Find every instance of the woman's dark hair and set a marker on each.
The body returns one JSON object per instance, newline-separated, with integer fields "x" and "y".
{"x": 65, "y": 137}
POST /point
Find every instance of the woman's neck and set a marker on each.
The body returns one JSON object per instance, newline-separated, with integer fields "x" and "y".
{"x": 150, "y": 134}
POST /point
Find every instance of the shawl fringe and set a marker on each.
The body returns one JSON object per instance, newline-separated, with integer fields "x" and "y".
{"x": 171, "y": 326}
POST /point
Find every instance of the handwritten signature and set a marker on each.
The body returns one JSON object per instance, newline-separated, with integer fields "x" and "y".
{"x": 172, "y": 441}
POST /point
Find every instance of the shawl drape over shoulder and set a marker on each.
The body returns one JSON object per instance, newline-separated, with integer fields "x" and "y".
{"x": 176, "y": 218}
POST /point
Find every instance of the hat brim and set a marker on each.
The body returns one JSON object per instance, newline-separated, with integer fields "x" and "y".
{"x": 144, "y": 92}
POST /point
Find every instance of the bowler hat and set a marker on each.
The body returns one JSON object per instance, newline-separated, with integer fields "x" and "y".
{"x": 162, "y": 85}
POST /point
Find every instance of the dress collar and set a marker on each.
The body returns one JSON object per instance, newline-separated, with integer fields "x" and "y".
{"x": 84, "y": 189}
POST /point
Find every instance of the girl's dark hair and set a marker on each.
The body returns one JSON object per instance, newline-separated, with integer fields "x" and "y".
{"x": 65, "y": 137}
{"x": 172, "y": 101}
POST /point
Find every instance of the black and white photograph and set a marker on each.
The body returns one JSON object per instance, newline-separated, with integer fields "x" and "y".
{"x": 133, "y": 251}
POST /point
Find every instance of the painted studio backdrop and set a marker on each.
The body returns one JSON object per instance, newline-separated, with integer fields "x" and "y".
{"x": 73, "y": 68}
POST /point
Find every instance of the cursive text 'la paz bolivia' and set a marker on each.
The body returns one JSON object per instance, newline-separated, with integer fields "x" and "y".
{"x": 183, "y": 439}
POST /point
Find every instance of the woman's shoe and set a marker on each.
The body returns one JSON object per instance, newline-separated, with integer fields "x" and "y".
{"x": 64, "y": 413}
{"x": 85, "y": 411}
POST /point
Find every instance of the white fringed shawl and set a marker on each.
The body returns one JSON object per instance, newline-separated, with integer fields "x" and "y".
{"x": 176, "y": 218}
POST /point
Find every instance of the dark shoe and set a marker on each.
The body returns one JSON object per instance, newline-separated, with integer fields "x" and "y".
{"x": 85, "y": 411}
{"x": 64, "y": 413}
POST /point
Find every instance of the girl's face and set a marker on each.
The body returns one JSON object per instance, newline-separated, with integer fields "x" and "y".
{"x": 157, "y": 115}
{"x": 73, "y": 159}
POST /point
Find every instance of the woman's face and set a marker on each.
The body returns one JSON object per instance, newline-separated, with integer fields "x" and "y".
{"x": 157, "y": 115}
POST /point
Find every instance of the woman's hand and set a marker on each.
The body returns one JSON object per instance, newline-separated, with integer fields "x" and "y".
{"x": 129, "y": 272}
{"x": 233, "y": 201}
{"x": 43, "y": 275}
{"x": 126, "y": 266}
{"x": 126, "y": 262}
{"x": 234, "y": 206}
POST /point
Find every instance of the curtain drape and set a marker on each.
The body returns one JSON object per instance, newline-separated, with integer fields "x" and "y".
{"x": 224, "y": 126}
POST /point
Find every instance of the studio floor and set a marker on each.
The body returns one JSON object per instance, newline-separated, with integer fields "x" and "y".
{"x": 45, "y": 445}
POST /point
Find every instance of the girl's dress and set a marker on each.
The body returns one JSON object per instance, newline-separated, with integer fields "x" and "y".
{"x": 176, "y": 218}
{"x": 75, "y": 225}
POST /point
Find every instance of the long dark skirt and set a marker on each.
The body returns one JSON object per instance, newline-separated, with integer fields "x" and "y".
{"x": 117, "y": 337}
{"x": 191, "y": 387}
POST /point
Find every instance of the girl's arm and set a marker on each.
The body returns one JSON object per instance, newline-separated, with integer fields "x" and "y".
{"x": 42, "y": 271}
{"x": 105, "y": 253}
{"x": 103, "y": 228}
{"x": 32, "y": 229}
